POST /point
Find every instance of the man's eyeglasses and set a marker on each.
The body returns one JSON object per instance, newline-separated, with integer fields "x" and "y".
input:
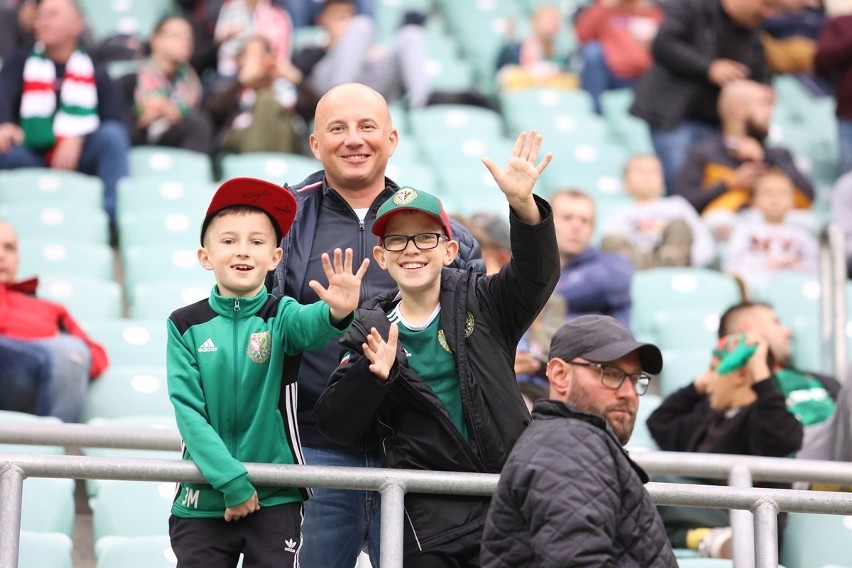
{"x": 423, "y": 241}
{"x": 613, "y": 377}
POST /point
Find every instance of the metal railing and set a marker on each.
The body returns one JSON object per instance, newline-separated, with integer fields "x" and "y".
{"x": 832, "y": 278}
{"x": 393, "y": 484}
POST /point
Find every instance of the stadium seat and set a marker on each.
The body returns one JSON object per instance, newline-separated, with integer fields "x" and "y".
{"x": 131, "y": 342}
{"x": 131, "y": 509}
{"x": 628, "y": 131}
{"x": 69, "y": 222}
{"x": 468, "y": 190}
{"x": 161, "y": 227}
{"x": 690, "y": 328}
{"x": 641, "y": 439}
{"x": 170, "y": 163}
{"x": 593, "y": 167}
{"x": 792, "y": 295}
{"x": 464, "y": 151}
{"x": 681, "y": 366}
{"x": 128, "y": 391}
{"x": 48, "y": 187}
{"x": 128, "y": 17}
{"x": 48, "y": 505}
{"x": 695, "y": 562}
{"x": 551, "y": 110}
{"x": 135, "y": 552}
{"x": 156, "y": 301}
{"x": 154, "y": 193}
{"x": 659, "y": 289}
{"x": 447, "y": 121}
{"x": 275, "y": 167}
{"x": 414, "y": 175}
{"x": 163, "y": 263}
{"x": 61, "y": 257}
{"x": 87, "y": 299}
{"x": 44, "y": 550}
{"x": 813, "y": 541}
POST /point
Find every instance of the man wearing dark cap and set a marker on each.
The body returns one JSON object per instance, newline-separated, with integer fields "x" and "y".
{"x": 569, "y": 494}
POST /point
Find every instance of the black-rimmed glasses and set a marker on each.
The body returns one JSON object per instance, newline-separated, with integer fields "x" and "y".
{"x": 613, "y": 377}
{"x": 423, "y": 241}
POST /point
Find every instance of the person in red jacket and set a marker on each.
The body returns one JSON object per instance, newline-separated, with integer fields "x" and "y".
{"x": 47, "y": 358}
{"x": 616, "y": 36}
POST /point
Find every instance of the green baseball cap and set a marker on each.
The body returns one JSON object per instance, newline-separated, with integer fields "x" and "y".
{"x": 410, "y": 199}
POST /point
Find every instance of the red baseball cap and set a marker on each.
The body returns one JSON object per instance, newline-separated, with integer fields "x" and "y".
{"x": 270, "y": 198}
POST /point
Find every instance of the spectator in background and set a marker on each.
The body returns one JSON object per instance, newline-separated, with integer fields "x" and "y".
{"x": 492, "y": 234}
{"x": 841, "y": 213}
{"x": 305, "y": 12}
{"x": 592, "y": 281}
{"x": 240, "y": 20}
{"x": 253, "y": 113}
{"x": 700, "y": 47}
{"x": 16, "y": 25}
{"x": 351, "y": 54}
{"x": 569, "y": 495}
{"x": 58, "y": 110}
{"x": 48, "y": 360}
{"x": 833, "y": 60}
{"x": 790, "y": 36}
{"x": 616, "y": 38}
{"x": 202, "y": 15}
{"x": 167, "y": 97}
{"x": 537, "y": 60}
{"x": 655, "y": 230}
{"x": 810, "y": 397}
{"x": 719, "y": 173}
{"x": 767, "y": 244}
{"x": 732, "y": 408}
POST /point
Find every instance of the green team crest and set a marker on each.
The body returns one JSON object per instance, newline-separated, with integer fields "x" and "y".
{"x": 469, "y": 324}
{"x": 404, "y": 196}
{"x": 259, "y": 346}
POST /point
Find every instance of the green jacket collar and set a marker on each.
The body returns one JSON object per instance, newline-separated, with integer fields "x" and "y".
{"x": 230, "y": 307}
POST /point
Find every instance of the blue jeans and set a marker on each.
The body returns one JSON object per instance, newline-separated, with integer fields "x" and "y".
{"x": 339, "y": 523}
{"x": 844, "y": 134}
{"x": 46, "y": 377}
{"x": 596, "y": 76}
{"x": 104, "y": 155}
{"x": 673, "y": 145}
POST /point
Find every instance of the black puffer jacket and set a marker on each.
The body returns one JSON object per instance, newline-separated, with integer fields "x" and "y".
{"x": 483, "y": 318}
{"x": 569, "y": 495}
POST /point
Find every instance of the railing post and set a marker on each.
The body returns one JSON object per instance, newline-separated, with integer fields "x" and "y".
{"x": 766, "y": 533}
{"x": 742, "y": 523}
{"x": 393, "y": 513}
{"x": 11, "y": 495}
{"x": 832, "y": 270}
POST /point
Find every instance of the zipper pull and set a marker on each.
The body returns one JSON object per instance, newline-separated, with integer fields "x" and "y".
{"x": 237, "y": 305}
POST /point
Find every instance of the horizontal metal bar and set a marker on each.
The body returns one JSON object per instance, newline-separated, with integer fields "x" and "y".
{"x": 718, "y": 466}
{"x": 86, "y": 436}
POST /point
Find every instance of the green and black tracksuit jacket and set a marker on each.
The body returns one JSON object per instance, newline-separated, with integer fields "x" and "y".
{"x": 225, "y": 363}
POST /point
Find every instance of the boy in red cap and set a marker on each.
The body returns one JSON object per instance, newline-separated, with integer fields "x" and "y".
{"x": 225, "y": 361}
{"x": 430, "y": 365}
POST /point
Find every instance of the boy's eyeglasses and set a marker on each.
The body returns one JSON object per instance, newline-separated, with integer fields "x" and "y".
{"x": 423, "y": 241}
{"x": 613, "y": 377}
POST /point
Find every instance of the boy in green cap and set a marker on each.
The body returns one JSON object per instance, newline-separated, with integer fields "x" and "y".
{"x": 429, "y": 365}
{"x": 225, "y": 360}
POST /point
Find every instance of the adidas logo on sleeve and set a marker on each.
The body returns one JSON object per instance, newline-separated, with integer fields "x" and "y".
{"x": 207, "y": 346}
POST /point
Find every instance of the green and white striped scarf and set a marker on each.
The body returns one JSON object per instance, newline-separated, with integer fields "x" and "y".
{"x": 42, "y": 123}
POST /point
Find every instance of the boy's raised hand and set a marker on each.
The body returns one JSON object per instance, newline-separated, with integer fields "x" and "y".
{"x": 517, "y": 179}
{"x": 381, "y": 353}
{"x": 344, "y": 287}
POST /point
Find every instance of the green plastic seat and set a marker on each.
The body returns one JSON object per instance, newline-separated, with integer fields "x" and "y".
{"x": 812, "y": 541}
{"x": 65, "y": 221}
{"x": 667, "y": 289}
{"x": 131, "y": 342}
{"x": 447, "y": 121}
{"x": 128, "y": 17}
{"x": 689, "y": 328}
{"x": 178, "y": 229}
{"x": 44, "y": 550}
{"x": 87, "y": 299}
{"x": 156, "y": 194}
{"x": 131, "y": 509}
{"x": 171, "y": 163}
{"x": 48, "y": 186}
{"x": 61, "y": 257}
{"x": 275, "y": 167}
{"x": 128, "y": 391}
{"x": 681, "y": 366}
{"x": 163, "y": 263}
{"x": 48, "y": 505}
{"x": 641, "y": 439}
{"x": 156, "y": 301}
{"x": 135, "y": 552}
